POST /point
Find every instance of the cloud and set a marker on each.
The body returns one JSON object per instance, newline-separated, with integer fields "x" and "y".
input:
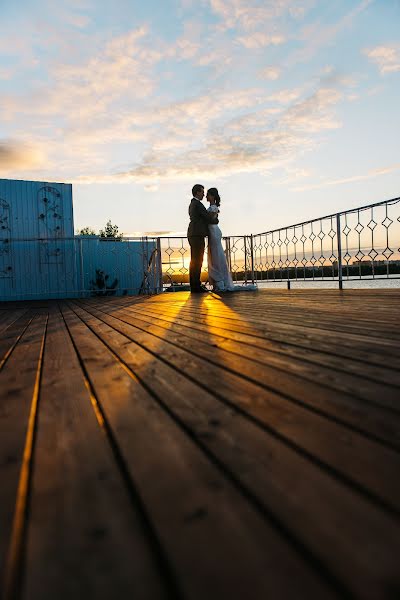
{"x": 295, "y": 173}
{"x": 187, "y": 49}
{"x": 315, "y": 113}
{"x": 260, "y": 40}
{"x": 106, "y": 118}
{"x": 285, "y": 96}
{"x": 251, "y": 14}
{"x": 162, "y": 233}
{"x": 76, "y": 20}
{"x": 369, "y": 175}
{"x": 16, "y": 155}
{"x": 263, "y": 139}
{"x": 271, "y": 73}
{"x": 188, "y": 45}
{"x": 89, "y": 105}
{"x": 387, "y": 58}
{"x": 318, "y": 35}
{"x": 194, "y": 114}
{"x": 243, "y": 131}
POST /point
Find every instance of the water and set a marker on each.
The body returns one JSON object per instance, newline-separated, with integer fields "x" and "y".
{"x": 380, "y": 282}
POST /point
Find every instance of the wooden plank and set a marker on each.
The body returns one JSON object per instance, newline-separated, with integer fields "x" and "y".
{"x": 333, "y": 522}
{"x": 86, "y": 538}
{"x": 350, "y": 377}
{"x": 257, "y": 305}
{"x": 349, "y": 453}
{"x": 7, "y": 317}
{"x": 345, "y": 347}
{"x": 11, "y": 336}
{"x": 151, "y": 313}
{"x": 17, "y": 391}
{"x": 307, "y": 318}
{"x": 218, "y": 544}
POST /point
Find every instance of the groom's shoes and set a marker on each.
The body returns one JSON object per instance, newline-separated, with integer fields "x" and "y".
{"x": 200, "y": 290}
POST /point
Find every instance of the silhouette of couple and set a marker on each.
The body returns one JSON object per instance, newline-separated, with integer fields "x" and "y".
{"x": 204, "y": 223}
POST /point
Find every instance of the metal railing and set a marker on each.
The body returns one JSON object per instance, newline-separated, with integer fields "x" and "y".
{"x": 175, "y": 260}
{"x": 361, "y": 243}
{"x": 33, "y": 268}
{"x": 358, "y": 244}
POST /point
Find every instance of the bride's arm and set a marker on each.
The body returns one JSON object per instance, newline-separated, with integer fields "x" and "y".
{"x": 213, "y": 212}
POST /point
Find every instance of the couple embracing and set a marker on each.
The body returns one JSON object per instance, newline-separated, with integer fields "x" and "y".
{"x": 204, "y": 223}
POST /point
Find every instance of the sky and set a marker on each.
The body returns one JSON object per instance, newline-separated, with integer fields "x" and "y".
{"x": 288, "y": 107}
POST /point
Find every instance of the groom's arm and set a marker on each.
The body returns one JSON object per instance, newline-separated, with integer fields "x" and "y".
{"x": 210, "y": 217}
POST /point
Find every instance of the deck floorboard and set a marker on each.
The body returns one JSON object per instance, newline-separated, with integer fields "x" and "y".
{"x": 242, "y": 446}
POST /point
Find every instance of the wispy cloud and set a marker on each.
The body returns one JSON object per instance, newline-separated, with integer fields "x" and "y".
{"x": 372, "y": 173}
{"x": 271, "y": 73}
{"x": 251, "y": 14}
{"x": 263, "y": 139}
{"x": 260, "y": 40}
{"x": 315, "y": 113}
{"x": 106, "y": 116}
{"x": 318, "y": 35}
{"x": 387, "y": 58}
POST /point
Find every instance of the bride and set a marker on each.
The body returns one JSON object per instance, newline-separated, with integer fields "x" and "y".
{"x": 218, "y": 272}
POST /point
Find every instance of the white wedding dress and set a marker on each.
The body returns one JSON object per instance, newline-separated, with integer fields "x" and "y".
{"x": 218, "y": 272}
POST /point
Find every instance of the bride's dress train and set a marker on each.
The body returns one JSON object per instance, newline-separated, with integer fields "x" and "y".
{"x": 218, "y": 272}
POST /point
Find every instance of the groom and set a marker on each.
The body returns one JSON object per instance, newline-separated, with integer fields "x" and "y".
{"x": 197, "y": 232}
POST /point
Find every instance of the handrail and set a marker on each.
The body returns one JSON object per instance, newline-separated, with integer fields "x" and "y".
{"x": 343, "y": 212}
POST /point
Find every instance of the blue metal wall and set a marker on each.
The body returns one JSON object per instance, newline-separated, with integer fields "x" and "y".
{"x": 41, "y": 258}
{"x": 69, "y": 267}
{"x": 32, "y": 210}
{"x": 35, "y": 209}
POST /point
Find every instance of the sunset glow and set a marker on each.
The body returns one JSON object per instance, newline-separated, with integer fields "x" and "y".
{"x": 289, "y": 107}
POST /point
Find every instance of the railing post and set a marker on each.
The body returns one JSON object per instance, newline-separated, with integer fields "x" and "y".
{"x": 339, "y": 246}
{"x": 252, "y": 258}
{"x": 245, "y": 258}
{"x": 159, "y": 266}
{"x": 82, "y": 282}
{"x": 228, "y": 253}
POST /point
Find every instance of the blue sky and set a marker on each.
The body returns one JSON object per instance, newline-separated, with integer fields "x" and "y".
{"x": 289, "y": 107}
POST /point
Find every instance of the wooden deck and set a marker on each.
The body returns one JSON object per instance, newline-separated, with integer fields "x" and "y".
{"x": 201, "y": 447}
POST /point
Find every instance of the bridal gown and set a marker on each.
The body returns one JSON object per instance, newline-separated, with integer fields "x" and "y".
{"x": 218, "y": 272}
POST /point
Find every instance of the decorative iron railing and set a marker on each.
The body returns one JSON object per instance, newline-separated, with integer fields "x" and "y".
{"x": 175, "y": 260}
{"x": 361, "y": 243}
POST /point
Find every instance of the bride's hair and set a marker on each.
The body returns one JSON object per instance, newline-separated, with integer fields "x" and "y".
{"x": 214, "y": 193}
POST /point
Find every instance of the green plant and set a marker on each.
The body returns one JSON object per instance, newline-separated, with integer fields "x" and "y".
{"x": 110, "y": 231}
{"x": 87, "y": 231}
{"x": 99, "y": 285}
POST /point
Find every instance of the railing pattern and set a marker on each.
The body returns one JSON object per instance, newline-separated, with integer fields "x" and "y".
{"x": 357, "y": 244}
{"x": 361, "y": 243}
{"x": 175, "y": 260}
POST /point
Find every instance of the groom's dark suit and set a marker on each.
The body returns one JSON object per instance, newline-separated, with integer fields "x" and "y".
{"x": 197, "y": 231}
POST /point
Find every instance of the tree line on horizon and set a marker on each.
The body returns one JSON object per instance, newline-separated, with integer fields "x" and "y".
{"x": 110, "y": 231}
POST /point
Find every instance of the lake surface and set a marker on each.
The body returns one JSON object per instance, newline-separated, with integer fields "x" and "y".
{"x": 380, "y": 282}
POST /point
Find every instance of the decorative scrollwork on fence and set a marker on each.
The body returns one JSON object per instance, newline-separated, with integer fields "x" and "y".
{"x": 6, "y": 269}
{"x": 51, "y": 211}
